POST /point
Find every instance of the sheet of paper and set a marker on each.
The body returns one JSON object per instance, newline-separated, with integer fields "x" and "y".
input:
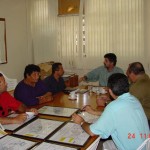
{"x": 71, "y": 133}
{"x": 89, "y": 117}
{"x": 50, "y": 146}
{"x": 57, "y": 111}
{"x": 40, "y": 128}
{"x": 13, "y": 143}
{"x": 15, "y": 126}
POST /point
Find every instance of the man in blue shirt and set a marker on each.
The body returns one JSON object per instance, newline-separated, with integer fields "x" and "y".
{"x": 32, "y": 91}
{"x": 124, "y": 118}
{"x": 102, "y": 73}
{"x": 55, "y": 83}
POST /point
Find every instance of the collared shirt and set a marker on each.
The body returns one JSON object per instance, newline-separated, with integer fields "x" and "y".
{"x": 7, "y": 104}
{"x": 124, "y": 119}
{"x": 101, "y": 74}
{"x": 27, "y": 94}
{"x": 54, "y": 85}
{"x": 141, "y": 90}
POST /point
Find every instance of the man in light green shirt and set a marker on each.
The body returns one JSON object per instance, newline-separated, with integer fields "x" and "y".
{"x": 102, "y": 73}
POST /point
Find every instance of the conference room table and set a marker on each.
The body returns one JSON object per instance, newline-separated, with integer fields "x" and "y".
{"x": 62, "y": 100}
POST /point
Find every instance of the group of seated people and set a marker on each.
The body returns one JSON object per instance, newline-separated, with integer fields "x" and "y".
{"x": 123, "y": 113}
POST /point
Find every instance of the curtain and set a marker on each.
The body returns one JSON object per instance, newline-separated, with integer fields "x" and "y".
{"x": 81, "y": 41}
{"x": 114, "y": 26}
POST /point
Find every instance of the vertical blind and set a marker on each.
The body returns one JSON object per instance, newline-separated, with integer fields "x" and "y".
{"x": 81, "y": 41}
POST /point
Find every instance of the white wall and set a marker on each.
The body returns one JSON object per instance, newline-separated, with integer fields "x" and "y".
{"x": 18, "y": 55}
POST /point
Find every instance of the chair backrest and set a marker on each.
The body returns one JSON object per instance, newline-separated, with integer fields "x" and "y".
{"x": 94, "y": 145}
{"x": 11, "y": 83}
{"x": 145, "y": 145}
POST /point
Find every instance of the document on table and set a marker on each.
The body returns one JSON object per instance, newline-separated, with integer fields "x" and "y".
{"x": 89, "y": 117}
{"x": 50, "y": 146}
{"x": 39, "y": 128}
{"x": 15, "y": 126}
{"x": 71, "y": 133}
{"x": 57, "y": 111}
{"x": 14, "y": 143}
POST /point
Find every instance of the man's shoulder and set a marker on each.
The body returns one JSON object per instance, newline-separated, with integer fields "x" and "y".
{"x": 21, "y": 83}
{"x": 118, "y": 69}
{"x": 5, "y": 96}
{"x": 100, "y": 68}
{"x": 5, "y": 93}
{"x": 51, "y": 77}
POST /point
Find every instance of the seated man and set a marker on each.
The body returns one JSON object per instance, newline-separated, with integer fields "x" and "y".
{"x": 55, "y": 83}
{"x": 140, "y": 85}
{"x": 8, "y": 104}
{"x": 31, "y": 91}
{"x": 124, "y": 118}
{"x": 102, "y": 73}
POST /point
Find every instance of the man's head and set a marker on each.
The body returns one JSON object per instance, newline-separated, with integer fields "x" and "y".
{"x": 118, "y": 84}
{"x": 32, "y": 73}
{"x": 57, "y": 69}
{"x": 3, "y": 84}
{"x": 110, "y": 60}
{"x": 134, "y": 70}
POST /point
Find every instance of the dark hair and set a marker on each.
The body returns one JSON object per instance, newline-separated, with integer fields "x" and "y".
{"x": 111, "y": 57}
{"x": 29, "y": 69}
{"x": 118, "y": 83}
{"x": 1, "y": 75}
{"x": 136, "y": 68}
{"x": 55, "y": 67}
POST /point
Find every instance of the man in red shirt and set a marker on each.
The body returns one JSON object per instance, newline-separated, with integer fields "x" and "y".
{"x": 9, "y": 103}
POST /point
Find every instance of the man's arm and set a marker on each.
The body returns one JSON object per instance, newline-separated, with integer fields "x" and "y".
{"x": 79, "y": 120}
{"x": 16, "y": 120}
{"x": 90, "y": 110}
{"x": 86, "y": 127}
{"x": 45, "y": 98}
{"x": 22, "y": 108}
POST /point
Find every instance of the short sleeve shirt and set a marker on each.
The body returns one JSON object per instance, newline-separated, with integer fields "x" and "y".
{"x": 7, "y": 104}
{"x": 28, "y": 95}
{"x": 101, "y": 74}
{"x": 121, "y": 119}
{"x": 53, "y": 85}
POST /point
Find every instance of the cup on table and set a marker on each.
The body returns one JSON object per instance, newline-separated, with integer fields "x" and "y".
{"x": 102, "y": 90}
{"x": 72, "y": 95}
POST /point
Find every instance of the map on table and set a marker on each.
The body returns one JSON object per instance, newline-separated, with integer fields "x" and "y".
{"x": 15, "y": 143}
{"x": 71, "y": 133}
{"x": 57, "y": 111}
{"x": 39, "y": 128}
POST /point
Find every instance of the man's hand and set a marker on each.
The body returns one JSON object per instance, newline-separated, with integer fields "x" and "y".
{"x": 34, "y": 110}
{"x": 84, "y": 78}
{"x": 45, "y": 98}
{"x": 88, "y": 109}
{"x": 19, "y": 119}
{"x": 77, "y": 119}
